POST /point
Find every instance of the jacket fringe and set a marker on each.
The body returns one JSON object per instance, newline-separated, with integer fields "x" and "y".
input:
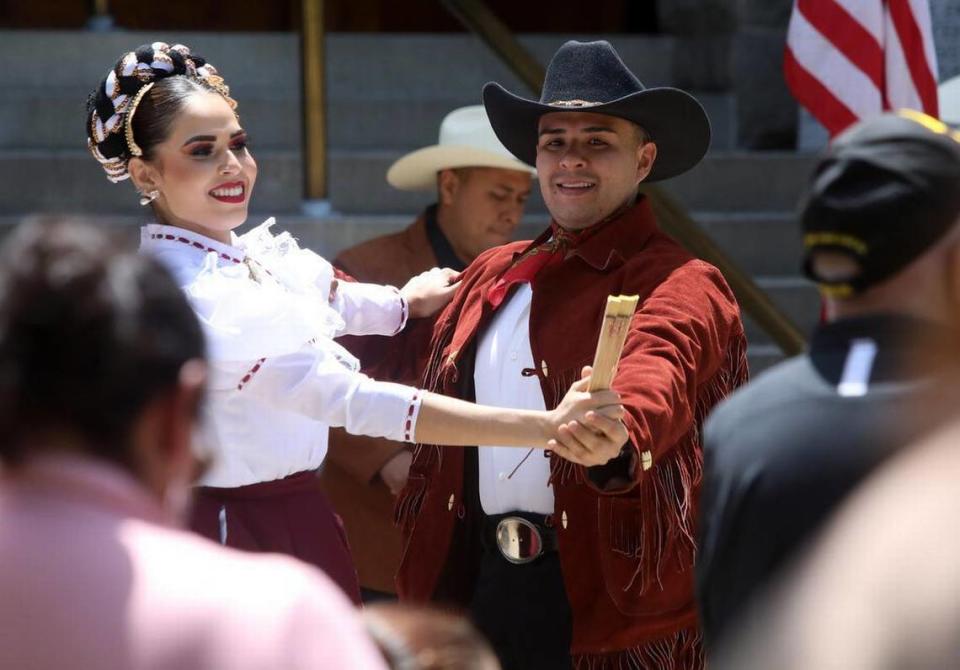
{"x": 407, "y": 507}
{"x": 665, "y": 529}
{"x": 426, "y": 457}
{"x": 681, "y": 651}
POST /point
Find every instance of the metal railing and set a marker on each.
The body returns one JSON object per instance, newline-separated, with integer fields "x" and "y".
{"x": 313, "y": 63}
{"x": 671, "y": 216}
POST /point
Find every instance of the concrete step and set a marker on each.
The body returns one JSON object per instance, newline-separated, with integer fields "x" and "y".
{"x": 377, "y": 66}
{"x": 762, "y": 243}
{"x": 60, "y": 58}
{"x": 36, "y": 118}
{"x": 796, "y": 297}
{"x": 73, "y": 182}
{"x": 744, "y": 181}
{"x": 381, "y": 66}
{"x": 384, "y": 91}
{"x": 402, "y": 66}
{"x": 415, "y": 122}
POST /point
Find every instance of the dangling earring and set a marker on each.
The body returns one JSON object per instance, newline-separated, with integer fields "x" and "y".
{"x": 148, "y": 197}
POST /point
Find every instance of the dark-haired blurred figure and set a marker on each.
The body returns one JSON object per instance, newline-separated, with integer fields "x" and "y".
{"x": 101, "y": 378}
{"x": 411, "y": 637}
{"x": 882, "y": 238}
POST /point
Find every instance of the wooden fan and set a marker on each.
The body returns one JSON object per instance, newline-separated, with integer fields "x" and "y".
{"x": 613, "y": 333}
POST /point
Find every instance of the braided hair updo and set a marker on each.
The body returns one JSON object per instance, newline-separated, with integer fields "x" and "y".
{"x": 131, "y": 111}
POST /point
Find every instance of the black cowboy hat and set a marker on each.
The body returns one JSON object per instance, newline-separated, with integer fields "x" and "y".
{"x": 590, "y": 77}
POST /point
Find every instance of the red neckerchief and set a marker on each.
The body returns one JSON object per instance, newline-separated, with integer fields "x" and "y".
{"x": 533, "y": 260}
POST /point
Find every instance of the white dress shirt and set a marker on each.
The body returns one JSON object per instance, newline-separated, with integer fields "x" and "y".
{"x": 277, "y": 378}
{"x": 502, "y": 354}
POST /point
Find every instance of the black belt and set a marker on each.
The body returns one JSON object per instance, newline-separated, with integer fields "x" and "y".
{"x": 520, "y": 537}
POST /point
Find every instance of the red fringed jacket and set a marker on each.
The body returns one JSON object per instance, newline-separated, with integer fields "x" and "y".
{"x": 626, "y": 549}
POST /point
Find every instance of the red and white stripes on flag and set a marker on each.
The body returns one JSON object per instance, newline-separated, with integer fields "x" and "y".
{"x": 849, "y": 59}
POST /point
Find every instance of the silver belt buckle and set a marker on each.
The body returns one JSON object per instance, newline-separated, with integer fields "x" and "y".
{"x": 519, "y": 540}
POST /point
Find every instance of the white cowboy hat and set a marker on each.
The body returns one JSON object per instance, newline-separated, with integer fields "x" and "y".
{"x": 466, "y": 140}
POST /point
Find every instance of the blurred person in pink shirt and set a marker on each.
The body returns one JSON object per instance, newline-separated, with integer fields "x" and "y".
{"x": 101, "y": 378}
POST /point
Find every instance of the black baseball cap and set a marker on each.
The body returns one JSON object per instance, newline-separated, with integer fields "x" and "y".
{"x": 885, "y": 191}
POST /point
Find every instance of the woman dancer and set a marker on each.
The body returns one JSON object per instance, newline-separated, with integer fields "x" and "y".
{"x": 270, "y": 310}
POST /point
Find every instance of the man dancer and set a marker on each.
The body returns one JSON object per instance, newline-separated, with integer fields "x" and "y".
{"x": 481, "y": 190}
{"x": 584, "y": 560}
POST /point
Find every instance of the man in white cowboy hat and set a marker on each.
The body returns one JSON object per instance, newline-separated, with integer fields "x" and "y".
{"x": 481, "y": 189}
{"x": 584, "y": 559}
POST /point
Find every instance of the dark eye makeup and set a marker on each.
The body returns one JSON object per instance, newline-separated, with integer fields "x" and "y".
{"x": 201, "y": 149}
{"x": 205, "y": 147}
{"x": 240, "y": 142}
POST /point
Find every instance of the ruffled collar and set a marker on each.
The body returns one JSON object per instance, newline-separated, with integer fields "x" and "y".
{"x": 158, "y": 236}
{"x": 262, "y": 296}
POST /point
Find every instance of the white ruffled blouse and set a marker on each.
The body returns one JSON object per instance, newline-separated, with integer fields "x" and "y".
{"x": 270, "y": 311}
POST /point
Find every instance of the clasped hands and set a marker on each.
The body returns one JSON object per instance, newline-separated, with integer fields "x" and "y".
{"x": 587, "y": 427}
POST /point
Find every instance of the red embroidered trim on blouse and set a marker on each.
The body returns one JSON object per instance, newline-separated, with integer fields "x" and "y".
{"x": 404, "y": 313}
{"x": 247, "y": 377}
{"x": 194, "y": 244}
{"x": 408, "y": 425}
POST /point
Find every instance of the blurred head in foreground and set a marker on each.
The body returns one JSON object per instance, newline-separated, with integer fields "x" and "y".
{"x": 100, "y": 356}
{"x": 413, "y": 638}
{"x": 880, "y": 219}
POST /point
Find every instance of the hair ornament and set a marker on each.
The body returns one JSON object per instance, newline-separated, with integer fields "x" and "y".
{"x": 132, "y": 146}
{"x": 110, "y": 136}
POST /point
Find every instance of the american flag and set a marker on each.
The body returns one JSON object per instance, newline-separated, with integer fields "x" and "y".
{"x": 849, "y": 59}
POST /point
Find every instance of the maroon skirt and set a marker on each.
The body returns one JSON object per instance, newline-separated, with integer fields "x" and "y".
{"x": 287, "y": 516}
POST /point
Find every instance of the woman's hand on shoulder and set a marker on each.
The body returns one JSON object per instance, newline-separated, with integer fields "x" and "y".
{"x": 430, "y": 291}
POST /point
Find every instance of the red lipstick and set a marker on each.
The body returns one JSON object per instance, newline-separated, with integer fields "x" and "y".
{"x": 233, "y": 192}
